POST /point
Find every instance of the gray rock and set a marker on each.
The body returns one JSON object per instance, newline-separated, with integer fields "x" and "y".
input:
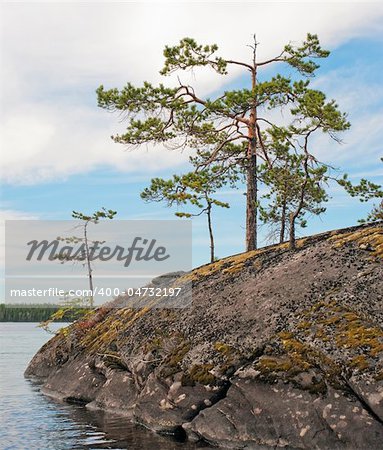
{"x": 277, "y": 349}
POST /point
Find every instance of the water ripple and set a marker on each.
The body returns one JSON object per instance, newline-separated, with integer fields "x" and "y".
{"x": 31, "y": 421}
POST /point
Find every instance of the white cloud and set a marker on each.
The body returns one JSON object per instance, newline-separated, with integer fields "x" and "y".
{"x": 54, "y": 55}
{"x": 12, "y": 214}
{"x": 361, "y": 147}
{"x": 54, "y": 144}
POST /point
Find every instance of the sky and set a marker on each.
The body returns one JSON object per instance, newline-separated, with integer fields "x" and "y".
{"x": 56, "y": 151}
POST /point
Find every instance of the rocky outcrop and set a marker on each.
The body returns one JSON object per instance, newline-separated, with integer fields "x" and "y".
{"x": 277, "y": 349}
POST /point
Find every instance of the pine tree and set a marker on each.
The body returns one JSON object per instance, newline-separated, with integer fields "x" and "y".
{"x": 195, "y": 189}
{"x": 231, "y": 125}
{"x": 365, "y": 190}
{"x": 87, "y": 245}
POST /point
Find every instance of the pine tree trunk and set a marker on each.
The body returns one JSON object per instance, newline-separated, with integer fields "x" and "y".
{"x": 283, "y": 215}
{"x": 283, "y": 224}
{"x": 251, "y": 203}
{"x": 212, "y": 256}
{"x": 294, "y": 215}
{"x": 292, "y": 231}
{"x": 88, "y": 264}
{"x": 251, "y": 175}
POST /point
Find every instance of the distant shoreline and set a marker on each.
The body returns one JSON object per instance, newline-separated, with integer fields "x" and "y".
{"x": 32, "y": 313}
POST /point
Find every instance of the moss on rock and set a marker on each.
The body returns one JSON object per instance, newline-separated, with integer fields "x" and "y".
{"x": 200, "y": 373}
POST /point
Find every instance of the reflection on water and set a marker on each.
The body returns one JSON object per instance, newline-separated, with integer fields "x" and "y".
{"x": 32, "y": 421}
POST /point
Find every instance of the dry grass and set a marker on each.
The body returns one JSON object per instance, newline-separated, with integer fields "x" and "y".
{"x": 371, "y": 237}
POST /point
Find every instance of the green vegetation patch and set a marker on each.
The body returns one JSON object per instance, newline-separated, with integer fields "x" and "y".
{"x": 200, "y": 373}
{"x": 172, "y": 362}
{"x": 34, "y": 313}
{"x": 109, "y": 329}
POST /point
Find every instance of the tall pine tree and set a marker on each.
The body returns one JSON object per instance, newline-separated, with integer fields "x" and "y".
{"x": 231, "y": 126}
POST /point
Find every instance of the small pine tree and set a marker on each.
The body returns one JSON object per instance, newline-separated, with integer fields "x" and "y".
{"x": 195, "y": 189}
{"x": 88, "y": 246}
{"x": 365, "y": 190}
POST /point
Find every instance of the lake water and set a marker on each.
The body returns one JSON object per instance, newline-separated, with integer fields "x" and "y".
{"x": 32, "y": 421}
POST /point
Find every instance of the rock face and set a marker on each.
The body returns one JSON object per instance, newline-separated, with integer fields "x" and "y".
{"x": 278, "y": 349}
